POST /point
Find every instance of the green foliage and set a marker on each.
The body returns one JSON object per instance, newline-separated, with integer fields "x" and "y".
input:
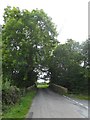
{"x": 85, "y": 46}
{"x": 0, "y": 61}
{"x": 28, "y": 40}
{"x": 20, "y": 109}
{"x": 66, "y": 69}
{"x": 10, "y": 95}
{"x": 30, "y": 45}
{"x": 0, "y": 82}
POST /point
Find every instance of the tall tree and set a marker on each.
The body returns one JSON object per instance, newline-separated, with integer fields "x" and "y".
{"x": 65, "y": 66}
{"x": 28, "y": 40}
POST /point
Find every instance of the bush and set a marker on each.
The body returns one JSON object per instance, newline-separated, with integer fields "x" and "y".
{"x": 10, "y": 95}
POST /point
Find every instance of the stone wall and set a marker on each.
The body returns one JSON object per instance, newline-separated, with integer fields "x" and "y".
{"x": 59, "y": 89}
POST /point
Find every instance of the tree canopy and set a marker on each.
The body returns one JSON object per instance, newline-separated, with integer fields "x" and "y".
{"x": 28, "y": 41}
{"x": 30, "y": 45}
{"x": 66, "y": 66}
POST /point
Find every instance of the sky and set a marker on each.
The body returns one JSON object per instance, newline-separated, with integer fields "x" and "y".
{"x": 70, "y": 16}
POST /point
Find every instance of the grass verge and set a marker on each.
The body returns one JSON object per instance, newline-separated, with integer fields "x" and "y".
{"x": 20, "y": 109}
{"x": 79, "y": 96}
{"x": 43, "y": 86}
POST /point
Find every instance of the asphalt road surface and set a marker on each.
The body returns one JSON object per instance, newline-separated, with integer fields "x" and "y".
{"x": 48, "y": 104}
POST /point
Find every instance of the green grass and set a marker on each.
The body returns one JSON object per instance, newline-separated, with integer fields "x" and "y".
{"x": 79, "y": 96}
{"x": 42, "y": 86}
{"x": 20, "y": 109}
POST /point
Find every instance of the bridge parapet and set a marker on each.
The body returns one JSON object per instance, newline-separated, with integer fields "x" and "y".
{"x": 59, "y": 89}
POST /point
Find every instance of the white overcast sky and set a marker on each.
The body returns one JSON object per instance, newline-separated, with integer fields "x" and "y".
{"x": 70, "y": 16}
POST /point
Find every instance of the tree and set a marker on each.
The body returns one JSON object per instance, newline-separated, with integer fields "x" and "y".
{"x": 28, "y": 40}
{"x": 0, "y": 57}
{"x": 65, "y": 66}
{"x": 86, "y": 61}
{"x": 85, "y": 52}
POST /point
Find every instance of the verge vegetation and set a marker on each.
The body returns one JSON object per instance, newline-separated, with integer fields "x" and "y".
{"x": 20, "y": 109}
{"x": 79, "y": 96}
{"x": 42, "y": 85}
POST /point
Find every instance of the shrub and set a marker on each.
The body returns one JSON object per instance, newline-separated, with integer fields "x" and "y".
{"x": 10, "y": 95}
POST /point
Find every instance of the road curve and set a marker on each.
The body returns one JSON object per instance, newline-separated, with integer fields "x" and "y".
{"x": 48, "y": 104}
